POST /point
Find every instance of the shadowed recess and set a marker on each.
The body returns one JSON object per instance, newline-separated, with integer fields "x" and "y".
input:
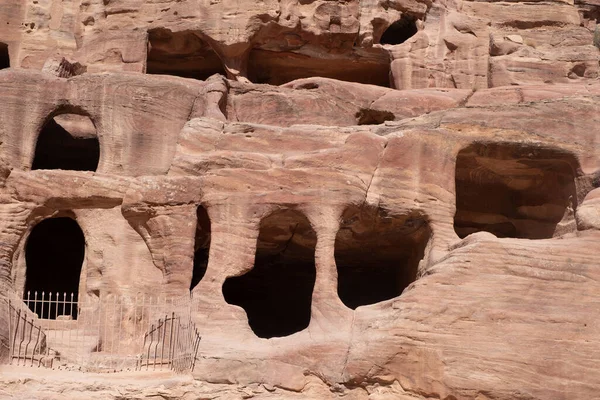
{"x": 400, "y": 31}
{"x": 377, "y": 254}
{"x": 182, "y": 54}
{"x": 277, "y": 293}
{"x": 4, "y": 57}
{"x": 54, "y": 254}
{"x": 279, "y": 67}
{"x": 514, "y": 190}
{"x": 74, "y": 149}
{"x": 201, "y": 246}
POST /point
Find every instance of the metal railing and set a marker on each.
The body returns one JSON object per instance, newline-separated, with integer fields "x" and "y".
{"x": 172, "y": 343}
{"x": 107, "y": 333}
{"x": 27, "y": 341}
{"x": 48, "y": 307}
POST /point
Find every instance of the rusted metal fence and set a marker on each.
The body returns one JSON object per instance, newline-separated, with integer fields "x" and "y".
{"x": 27, "y": 341}
{"x": 171, "y": 342}
{"x": 108, "y": 333}
{"x": 51, "y": 305}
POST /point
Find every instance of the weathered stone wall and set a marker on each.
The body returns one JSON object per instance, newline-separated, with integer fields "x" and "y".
{"x": 478, "y": 180}
{"x": 466, "y": 44}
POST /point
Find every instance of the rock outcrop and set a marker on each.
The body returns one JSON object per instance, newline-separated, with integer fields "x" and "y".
{"x": 382, "y": 200}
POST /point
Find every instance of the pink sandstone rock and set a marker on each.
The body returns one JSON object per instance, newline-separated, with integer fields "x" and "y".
{"x": 365, "y": 200}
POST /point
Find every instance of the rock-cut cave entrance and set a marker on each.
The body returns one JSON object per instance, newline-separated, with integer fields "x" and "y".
{"x": 400, "y": 31}
{"x": 201, "y": 246}
{"x": 377, "y": 254}
{"x": 4, "y": 57}
{"x": 182, "y": 54}
{"x": 68, "y": 142}
{"x": 277, "y": 293}
{"x": 513, "y": 190}
{"x": 54, "y": 255}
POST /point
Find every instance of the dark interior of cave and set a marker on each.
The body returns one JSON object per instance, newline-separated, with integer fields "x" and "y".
{"x": 4, "y": 57}
{"x": 277, "y": 293}
{"x": 54, "y": 254}
{"x": 56, "y": 148}
{"x": 279, "y": 67}
{"x": 377, "y": 254}
{"x": 201, "y": 247}
{"x": 182, "y": 54}
{"x": 513, "y": 190}
{"x": 400, "y": 31}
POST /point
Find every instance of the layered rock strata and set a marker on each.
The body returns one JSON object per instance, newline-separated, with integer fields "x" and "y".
{"x": 365, "y": 199}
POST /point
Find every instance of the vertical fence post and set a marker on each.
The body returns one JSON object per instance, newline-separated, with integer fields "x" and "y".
{"x": 18, "y": 318}
{"x": 10, "y": 350}
{"x": 37, "y": 341}
{"x": 158, "y": 327}
{"x": 42, "y": 307}
{"x": 28, "y": 341}
{"x": 162, "y": 350}
{"x": 135, "y": 322}
{"x": 57, "y": 301}
{"x": 120, "y": 335}
{"x": 171, "y": 341}
{"x": 176, "y": 355}
{"x": 150, "y": 346}
{"x": 197, "y": 344}
{"x": 113, "y": 324}
{"x": 106, "y": 313}
{"x": 22, "y": 337}
{"x": 73, "y": 325}
{"x": 98, "y": 317}
{"x": 35, "y": 301}
{"x": 79, "y": 327}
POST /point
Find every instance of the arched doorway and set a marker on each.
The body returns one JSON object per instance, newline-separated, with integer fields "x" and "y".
{"x": 54, "y": 255}
{"x": 67, "y": 142}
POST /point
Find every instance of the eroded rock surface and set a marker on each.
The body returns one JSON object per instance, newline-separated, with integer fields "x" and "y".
{"x": 367, "y": 200}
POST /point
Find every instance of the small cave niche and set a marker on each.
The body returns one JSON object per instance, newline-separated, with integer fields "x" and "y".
{"x": 277, "y": 293}
{"x": 280, "y": 67}
{"x": 400, "y": 31}
{"x": 67, "y": 142}
{"x": 513, "y": 190}
{"x": 182, "y": 54}
{"x": 54, "y": 254}
{"x": 201, "y": 246}
{"x": 4, "y": 57}
{"x": 377, "y": 254}
{"x": 367, "y": 116}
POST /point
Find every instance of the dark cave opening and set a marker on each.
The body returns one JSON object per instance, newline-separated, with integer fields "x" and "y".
{"x": 4, "y": 57}
{"x": 277, "y": 293}
{"x": 400, "y": 31}
{"x": 182, "y": 54}
{"x": 377, "y": 254}
{"x": 513, "y": 190}
{"x": 54, "y": 255}
{"x": 201, "y": 246}
{"x": 58, "y": 148}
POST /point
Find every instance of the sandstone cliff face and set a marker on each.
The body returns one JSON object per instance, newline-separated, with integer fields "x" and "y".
{"x": 354, "y": 216}
{"x": 420, "y": 44}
